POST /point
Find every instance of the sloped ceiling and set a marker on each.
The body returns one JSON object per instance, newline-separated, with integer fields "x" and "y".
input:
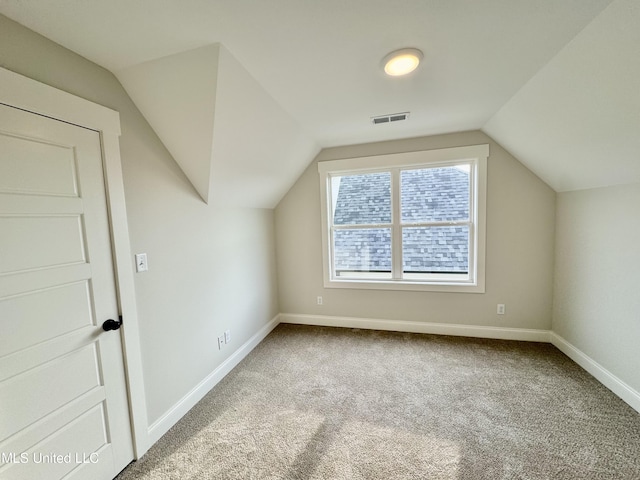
{"x": 576, "y": 123}
{"x": 554, "y": 81}
{"x": 236, "y": 145}
{"x": 177, "y": 95}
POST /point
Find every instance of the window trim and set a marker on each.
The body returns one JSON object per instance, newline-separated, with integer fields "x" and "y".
{"x": 477, "y": 155}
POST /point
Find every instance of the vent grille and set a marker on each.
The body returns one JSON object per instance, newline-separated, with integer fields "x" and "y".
{"x": 392, "y": 117}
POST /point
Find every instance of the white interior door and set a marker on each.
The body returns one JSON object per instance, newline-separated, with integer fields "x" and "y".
{"x": 63, "y": 400}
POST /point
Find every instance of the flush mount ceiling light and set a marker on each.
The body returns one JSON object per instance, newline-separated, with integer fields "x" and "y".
{"x": 402, "y": 61}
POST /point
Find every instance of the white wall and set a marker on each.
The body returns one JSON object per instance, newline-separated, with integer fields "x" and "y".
{"x": 520, "y": 238}
{"x": 211, "y": 269}
{"x": 597, "y": 277}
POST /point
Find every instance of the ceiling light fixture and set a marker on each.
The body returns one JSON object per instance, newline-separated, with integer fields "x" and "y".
{"x": 402, "y": 61}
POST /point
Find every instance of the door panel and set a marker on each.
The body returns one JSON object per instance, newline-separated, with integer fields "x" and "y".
{"x": 20, "y": 233}
{"x": 33, "y": 166}
{"x": 84, "y": 433}
{"x": 69, "y": 310}
{"x": 60, "y": 373}
{"x": 64, "y": 379}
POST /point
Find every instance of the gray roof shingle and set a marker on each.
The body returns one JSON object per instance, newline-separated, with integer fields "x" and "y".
{"x": 434, "y": 194}
{"x": 364, "y": 199}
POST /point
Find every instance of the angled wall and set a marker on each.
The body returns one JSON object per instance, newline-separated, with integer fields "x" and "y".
{"x": 259, "y": 150}
{"x": 233, "y": 141}
{"x": 582, "y": 107}
{"x": 177, "y": 96}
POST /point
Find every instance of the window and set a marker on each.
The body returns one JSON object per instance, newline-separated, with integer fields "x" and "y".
{"x": 410, "y": 221}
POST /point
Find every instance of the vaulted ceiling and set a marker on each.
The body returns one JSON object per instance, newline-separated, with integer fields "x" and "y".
{"x": 263, "y": 85}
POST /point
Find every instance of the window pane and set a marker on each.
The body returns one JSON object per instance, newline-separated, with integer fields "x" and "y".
{"x": 361, "y": 199}
{"x": 435, "y": 194}
{"x": 362, "y": 253}
{"x": 428, "y": 250}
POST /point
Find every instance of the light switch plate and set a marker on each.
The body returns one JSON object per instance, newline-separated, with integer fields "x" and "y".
{"x": 141, "y": 262}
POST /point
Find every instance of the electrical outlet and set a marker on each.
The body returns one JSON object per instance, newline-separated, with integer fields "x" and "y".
{"x": 227, "y": 336}
{"x": 501, "y": 309}
{"x": 220, "y": 342}
{"x": 319, "y": 300}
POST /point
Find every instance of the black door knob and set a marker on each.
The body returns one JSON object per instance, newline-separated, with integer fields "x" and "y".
{"x": 111, "y": 324}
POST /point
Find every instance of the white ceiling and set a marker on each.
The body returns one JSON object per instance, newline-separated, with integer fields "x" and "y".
{"x": 555, "y": 81}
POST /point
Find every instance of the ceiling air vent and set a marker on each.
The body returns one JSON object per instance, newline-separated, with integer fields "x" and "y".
{"x": 393, "y": 117}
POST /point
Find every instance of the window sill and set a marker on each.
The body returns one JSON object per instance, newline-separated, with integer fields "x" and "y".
{"x": 458, "y": 287}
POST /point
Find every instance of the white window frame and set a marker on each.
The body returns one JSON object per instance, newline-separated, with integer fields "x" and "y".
{"x": 476, "y": 156}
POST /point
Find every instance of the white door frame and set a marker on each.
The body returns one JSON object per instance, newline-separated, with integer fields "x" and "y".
{"x": 27, "y": 94}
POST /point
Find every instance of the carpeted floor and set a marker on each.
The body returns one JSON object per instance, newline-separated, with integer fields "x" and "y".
{"x": 328, "y": 403}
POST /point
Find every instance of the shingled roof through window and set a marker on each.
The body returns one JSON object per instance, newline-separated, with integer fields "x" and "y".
{"x": 427, "y": 195}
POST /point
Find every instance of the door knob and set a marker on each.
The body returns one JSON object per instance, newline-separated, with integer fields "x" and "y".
{"x": 112, "y": 324}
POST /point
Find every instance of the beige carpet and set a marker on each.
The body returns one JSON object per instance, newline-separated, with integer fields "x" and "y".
{"x": 327, "y": 403}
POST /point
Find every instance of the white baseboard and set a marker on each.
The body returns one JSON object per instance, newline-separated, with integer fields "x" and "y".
{"x": 604, "y": 376}
{"x": 501, "y": 333}
{"x": 171, "y": 417}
